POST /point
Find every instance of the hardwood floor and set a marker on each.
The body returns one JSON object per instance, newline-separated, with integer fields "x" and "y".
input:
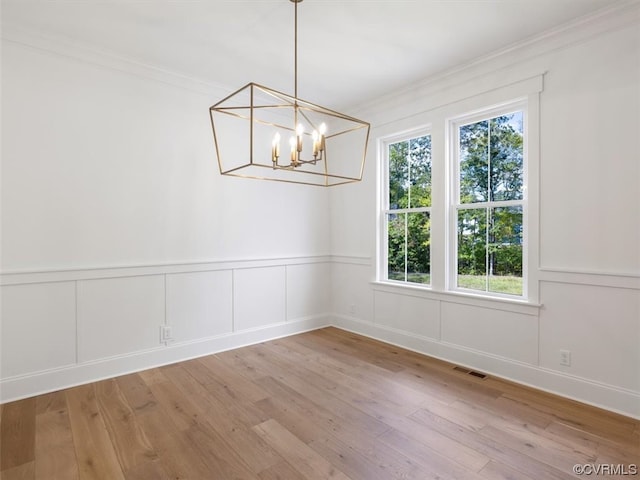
{"x": 321, "y": 405}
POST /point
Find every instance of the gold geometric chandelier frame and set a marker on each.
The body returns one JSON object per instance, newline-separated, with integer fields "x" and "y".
{"x": 327, "y": 148}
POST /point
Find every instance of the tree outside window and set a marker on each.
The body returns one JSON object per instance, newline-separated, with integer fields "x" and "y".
{"x": 489, "y": 210}
{"x": 407, "y": 215}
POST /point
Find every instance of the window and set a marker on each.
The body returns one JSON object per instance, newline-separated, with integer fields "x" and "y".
{"x": 407, "y": 209}
{"x": 458, "y": 203}
{"x": 489, "y": 202}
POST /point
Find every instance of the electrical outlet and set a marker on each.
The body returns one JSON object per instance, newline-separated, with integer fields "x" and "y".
{"x": 166, "y": 333}
{"x": 565, "y": 358}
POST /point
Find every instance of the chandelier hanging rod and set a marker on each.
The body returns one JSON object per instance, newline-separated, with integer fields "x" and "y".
{"x": 295, "y": 47}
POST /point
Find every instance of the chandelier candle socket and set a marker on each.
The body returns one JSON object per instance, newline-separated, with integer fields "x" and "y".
{"x": 327, "y": 147}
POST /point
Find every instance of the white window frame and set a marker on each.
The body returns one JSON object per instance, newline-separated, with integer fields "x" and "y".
{"x": 384, "y": 210}
{"x": 519, "y": 105}
{"x": 439, "y": 123}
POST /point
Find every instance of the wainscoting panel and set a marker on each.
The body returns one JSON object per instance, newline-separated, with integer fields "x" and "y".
{"x": 199, "y": 304}
{"x": 350, "y": 289}
{"x": 599, "y": 325}
{"x": 117, "y": 316}
{"x": 505, "y": 334}
{"x": 308, "y": 290}
{"x": 408, "y": 313}
{"x": 259, "y": 297}
{"x": 38, "y": 327}
{"x": 69, "y": 327}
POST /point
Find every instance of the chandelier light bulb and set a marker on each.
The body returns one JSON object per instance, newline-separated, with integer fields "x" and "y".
{"x": 323, "y": 131}
{"x": 275, "y": 147}
{"x": 299, "y": 133}
{"x": 292, "y": 142}
{"x": 316, "y": 143}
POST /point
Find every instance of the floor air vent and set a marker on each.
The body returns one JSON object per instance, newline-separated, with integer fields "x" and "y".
{"x": 470, "y": 372}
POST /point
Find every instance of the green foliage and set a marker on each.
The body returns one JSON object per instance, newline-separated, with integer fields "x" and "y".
{"x": 491, "y": 158}
{"x": 418, "y": 242}
{"x": 489, "y": 239}
{"x": 502, "y": 284}
{"x": 396, "y": 244}
{"x": 409, "y": 187}
{"x": 491, "y": 169}
{"x": 410, "y": 173}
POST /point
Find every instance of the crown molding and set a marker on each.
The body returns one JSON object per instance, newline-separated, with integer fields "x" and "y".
{"x": 624, "y": 13}
{"x": 78, "y": 51}
{"x": 580, "y": 30}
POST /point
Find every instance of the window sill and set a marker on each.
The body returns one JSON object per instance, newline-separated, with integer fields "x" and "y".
{"x": 496, "y": 303}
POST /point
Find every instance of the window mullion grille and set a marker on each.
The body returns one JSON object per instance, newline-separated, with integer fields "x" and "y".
{"x": 500, "y": 203}
{"x": 490, "y": 201}
{"x": 407, "y": 210}
{"x": 406, "y": 245}
{"x": 486, "y": 250}
{"x": 406, "y": 215}
{"x": 409, "y": 173}
{"x": 454, "y": 261}
{"x": 384, "y": 241}
{"x": 489, "y": 195}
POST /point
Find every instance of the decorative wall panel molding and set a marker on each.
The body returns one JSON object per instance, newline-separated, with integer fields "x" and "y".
{"x": 63, "y": 328}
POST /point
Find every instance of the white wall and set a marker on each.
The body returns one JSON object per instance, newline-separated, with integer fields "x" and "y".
{"x": 588, "y": 271}
{"x": 115, "y": 221}
{"x": 106, "y": 168}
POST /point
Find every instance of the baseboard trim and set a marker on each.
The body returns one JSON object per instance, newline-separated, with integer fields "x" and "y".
{"x": 38, "y": 383}
{"x": 608, "y": 397}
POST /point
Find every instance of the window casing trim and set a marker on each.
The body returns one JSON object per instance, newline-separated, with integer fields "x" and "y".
{"x": 383, "y": 205}
{"x": 437, "y": 123}
{"x": 453, "y": 196}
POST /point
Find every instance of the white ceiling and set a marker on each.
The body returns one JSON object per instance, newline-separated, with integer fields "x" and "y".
{"x": 349, "y": 50}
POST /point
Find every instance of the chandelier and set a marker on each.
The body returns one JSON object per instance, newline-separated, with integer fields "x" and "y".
{"x": 265, "y": 134}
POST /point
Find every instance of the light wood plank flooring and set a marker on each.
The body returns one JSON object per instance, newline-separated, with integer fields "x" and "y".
{"x": 321, "y": 405}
